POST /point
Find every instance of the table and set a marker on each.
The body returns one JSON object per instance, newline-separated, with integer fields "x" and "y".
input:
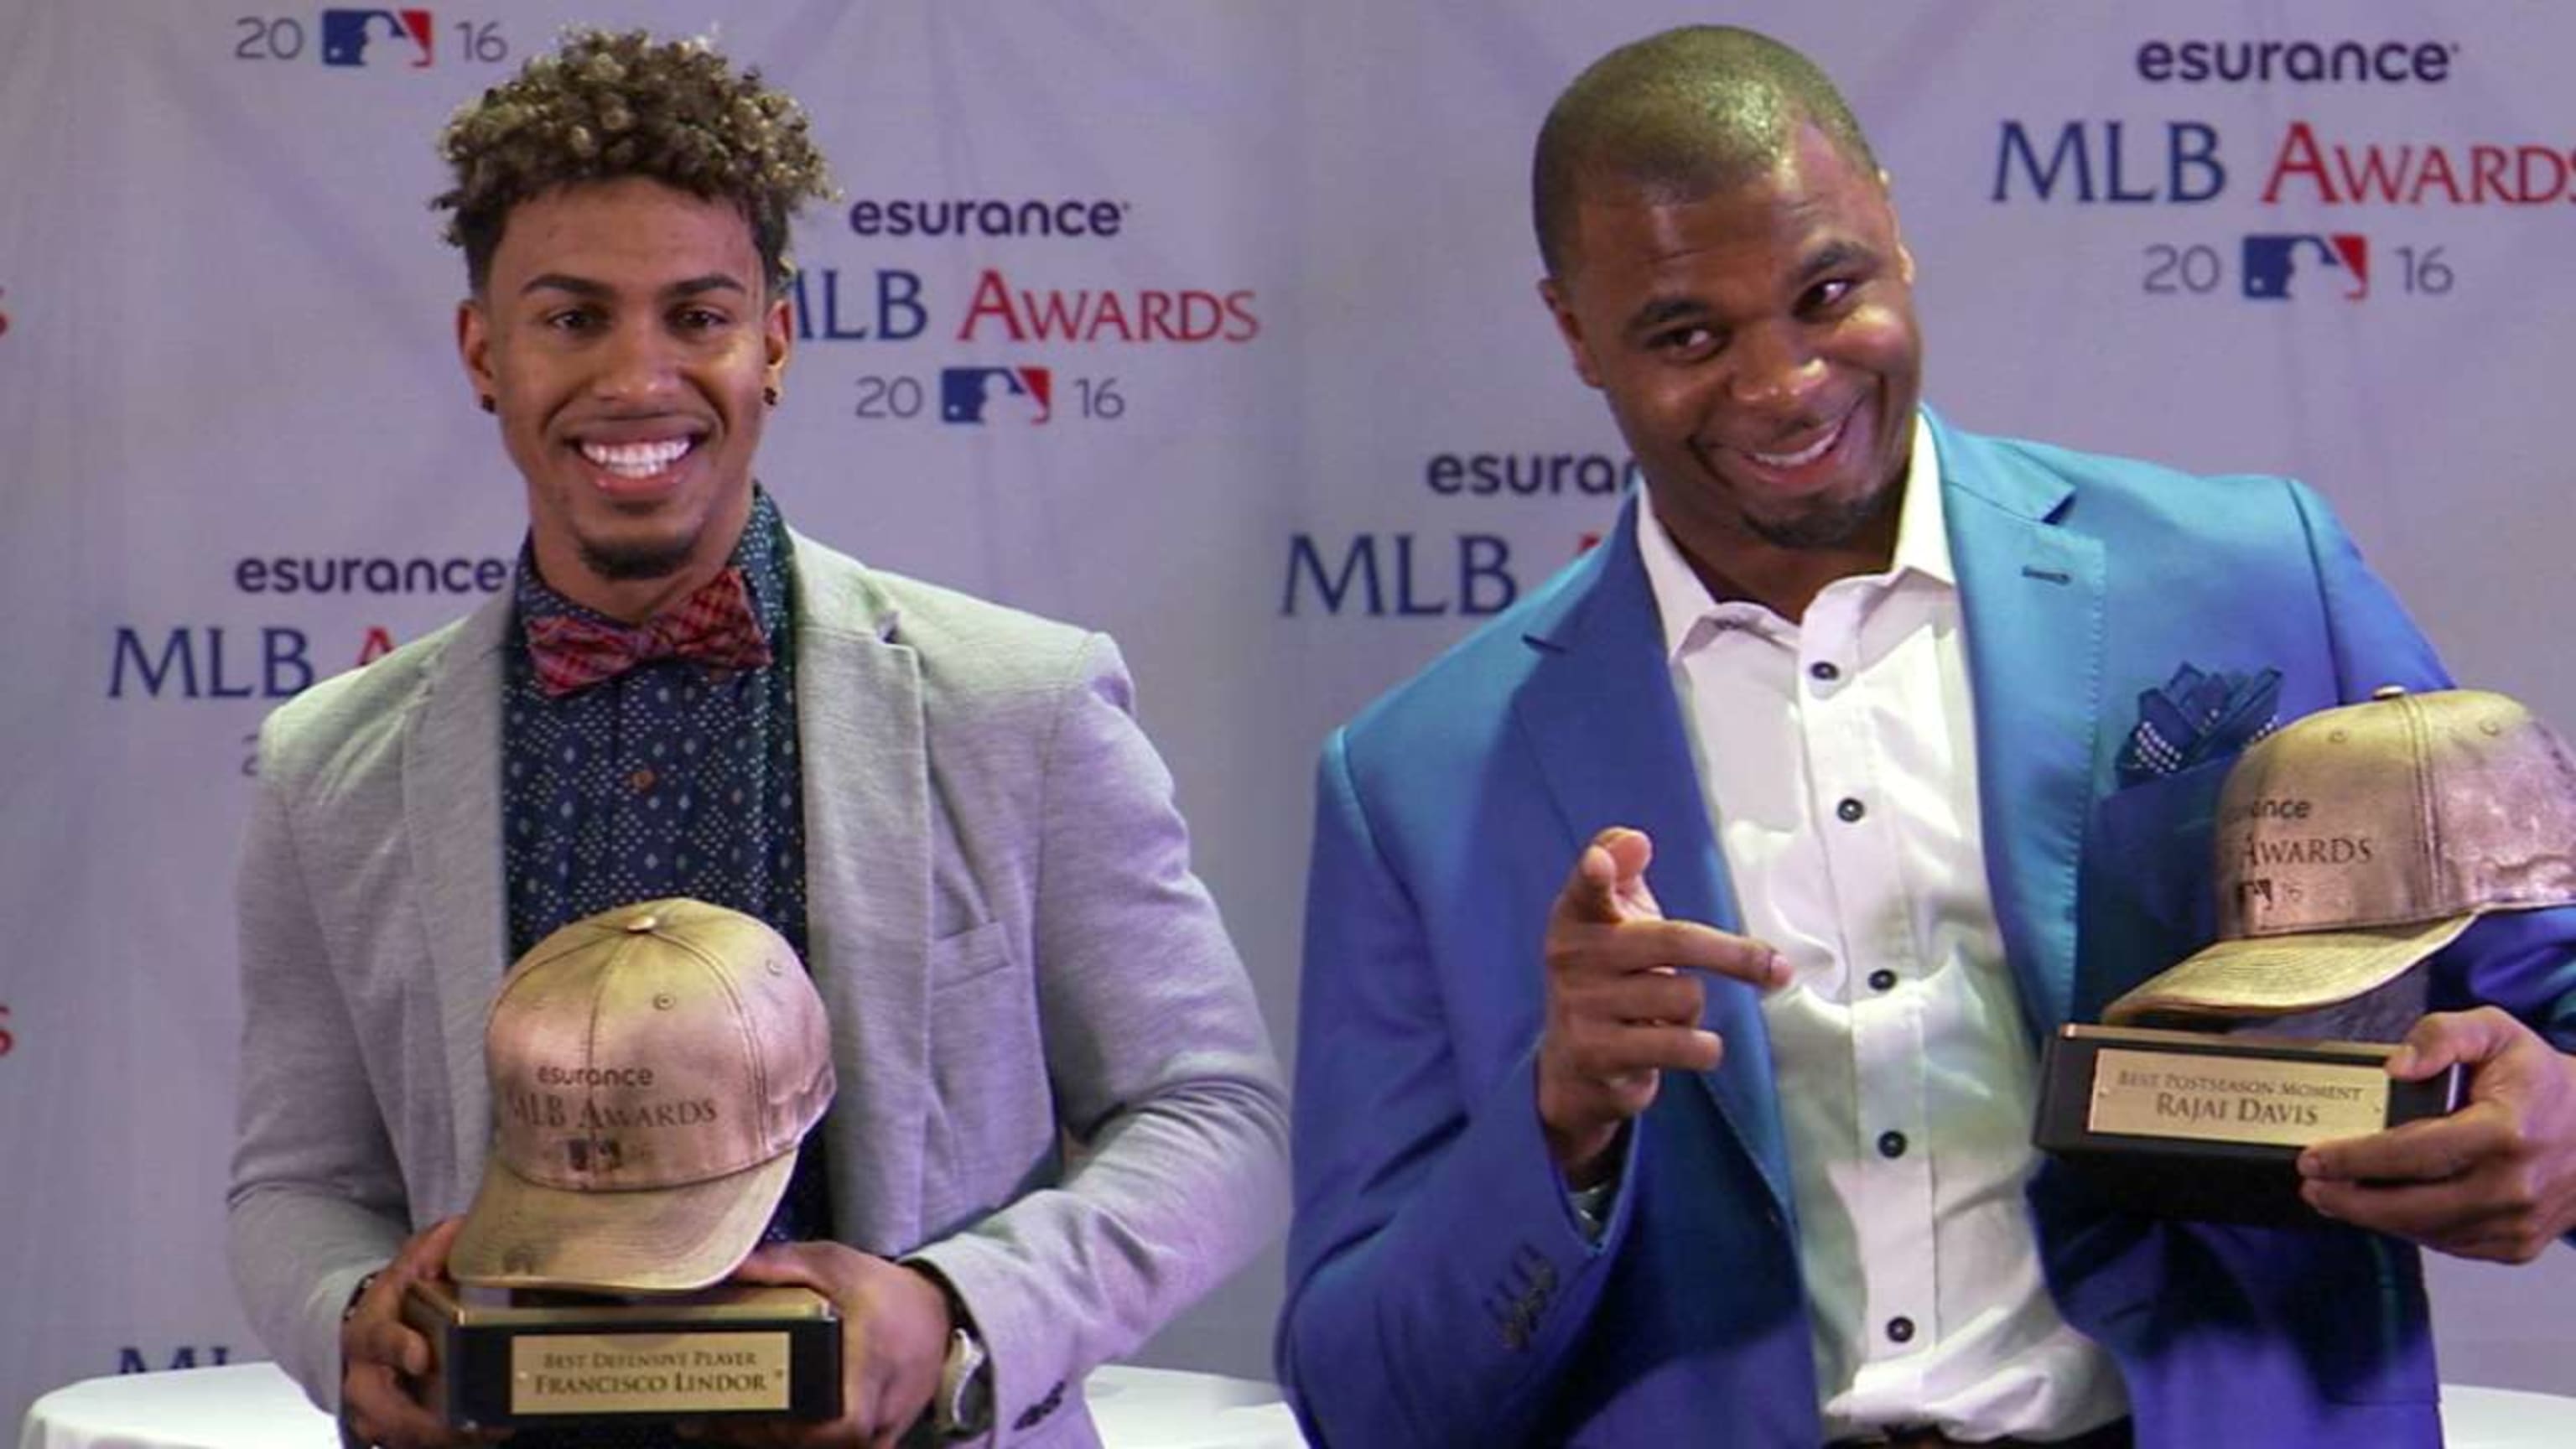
{"x": 2474, "y": 1418}
{"x": 255, "y": 1406}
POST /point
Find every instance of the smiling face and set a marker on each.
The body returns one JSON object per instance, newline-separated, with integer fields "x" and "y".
{"x": 625, "y": 336}
{"x": 1758, "y": 348}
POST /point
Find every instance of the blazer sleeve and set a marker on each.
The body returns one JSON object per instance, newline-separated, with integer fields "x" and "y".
{"x": 1437, "y": 1277}
{"x": 2375, "y": 641}
{"x": 316, "y": 1200}
{"x": 2522, "y": 961}
{"x": 1164, "y": 1080}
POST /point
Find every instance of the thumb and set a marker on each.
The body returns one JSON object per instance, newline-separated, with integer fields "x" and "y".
{"x": 1630, "y": 852}
{"x": 1592, "y": 891}
{"x": 776, "y": 1264}
{"x": 429, "y": 1251}
{"x": 2448, "y": 1038}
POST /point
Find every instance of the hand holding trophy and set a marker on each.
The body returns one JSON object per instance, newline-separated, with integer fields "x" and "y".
{"x": 2353, "y": 845}
{"x": 653, "y": 1069}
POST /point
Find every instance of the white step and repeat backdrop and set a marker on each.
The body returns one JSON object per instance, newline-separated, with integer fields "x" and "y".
{"x": 1268, "y": 394}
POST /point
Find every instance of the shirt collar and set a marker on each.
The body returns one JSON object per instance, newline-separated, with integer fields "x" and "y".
{"x": 1922, "y": 548}
{"x": 761, "y": 553}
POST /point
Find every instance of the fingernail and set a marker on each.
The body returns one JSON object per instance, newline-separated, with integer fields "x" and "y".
{"x": 1779, "y": 969}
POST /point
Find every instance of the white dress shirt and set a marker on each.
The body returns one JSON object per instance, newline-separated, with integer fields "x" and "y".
{"x": 1838, "y": 761}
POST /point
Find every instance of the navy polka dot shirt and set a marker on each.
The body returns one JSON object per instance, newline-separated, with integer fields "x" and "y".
{"x": 669, "y": 780}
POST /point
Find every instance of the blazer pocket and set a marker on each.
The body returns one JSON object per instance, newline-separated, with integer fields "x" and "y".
{"x": 2144, "y": 901}
{"x": 992, "y": 1121}
{"x": 973, "y": 952}
{"x": 2154, "y": 842}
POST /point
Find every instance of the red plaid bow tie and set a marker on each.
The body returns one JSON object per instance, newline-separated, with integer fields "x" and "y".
{"x": 714, "y": 626}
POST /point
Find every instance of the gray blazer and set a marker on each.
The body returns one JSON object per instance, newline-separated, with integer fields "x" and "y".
{"x": 1055, "y": 1086}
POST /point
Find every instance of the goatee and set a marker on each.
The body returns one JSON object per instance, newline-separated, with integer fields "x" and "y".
{"x": 1828, "y": 524}
{"x": 636, "y": 561}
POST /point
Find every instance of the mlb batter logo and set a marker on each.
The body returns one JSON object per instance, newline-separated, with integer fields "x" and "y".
{"x": 346, "y": 34}
{"x": 2272, "y": 262}
{"x": 979, "y": 395}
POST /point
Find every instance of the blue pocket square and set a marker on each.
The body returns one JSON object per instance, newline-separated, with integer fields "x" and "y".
{"x": 2198, "y": 716}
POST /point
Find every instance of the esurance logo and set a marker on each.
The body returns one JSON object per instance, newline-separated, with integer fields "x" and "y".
{"x": 971, "y": 216}
{"x": 346, "y": 35}
{"x": 2296, "y": 62}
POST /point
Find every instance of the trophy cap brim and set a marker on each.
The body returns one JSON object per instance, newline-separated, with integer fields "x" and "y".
{"x": 522, "y": 1234}
{"x": 2266, "y": 976}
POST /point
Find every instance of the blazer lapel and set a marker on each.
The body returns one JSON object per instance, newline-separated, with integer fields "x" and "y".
{"x": 1607, "y": 734}
{"x": 867, "y": 819}
{"x": 2032, "y": 593}
{"x": 452, "y": 807}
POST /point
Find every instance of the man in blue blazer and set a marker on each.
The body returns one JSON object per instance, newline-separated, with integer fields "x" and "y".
{"x": 1679, "y": 945}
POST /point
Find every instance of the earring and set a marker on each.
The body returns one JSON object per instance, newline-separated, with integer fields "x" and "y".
{"x": 489, "y": 404}
{"x": 769, "y": 395}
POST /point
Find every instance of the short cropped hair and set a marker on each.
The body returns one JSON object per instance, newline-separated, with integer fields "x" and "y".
{"x": 1683, "y": 114}
{"x": 609, "y": 105}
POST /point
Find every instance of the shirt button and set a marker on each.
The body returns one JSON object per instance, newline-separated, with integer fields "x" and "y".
{"x": 1850, "y": 809}
{"x": 1900, "y": 1330}
{"x": 1823, "y": 671}
{"x": 1891, "y": 1144}
{"x": 1882, "y": 979}
{"x": 642, "y": 780}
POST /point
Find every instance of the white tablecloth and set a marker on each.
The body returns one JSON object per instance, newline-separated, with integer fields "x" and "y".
{"x": 254, "y": 1406}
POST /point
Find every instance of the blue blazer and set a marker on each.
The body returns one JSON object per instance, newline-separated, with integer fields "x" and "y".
{"x": 1440, "y": 1290}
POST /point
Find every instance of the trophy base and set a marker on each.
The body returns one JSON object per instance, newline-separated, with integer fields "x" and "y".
{"x": 504, "y": 1357}
{"x": 2180, "y": 1124}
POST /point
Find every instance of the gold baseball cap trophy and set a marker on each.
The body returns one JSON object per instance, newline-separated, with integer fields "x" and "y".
{"x": 2352, "y": 845}
{"x": 653, "y": 1070}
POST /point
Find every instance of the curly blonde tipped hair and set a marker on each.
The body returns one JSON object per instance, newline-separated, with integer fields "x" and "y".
{"x": 608, "y": 105}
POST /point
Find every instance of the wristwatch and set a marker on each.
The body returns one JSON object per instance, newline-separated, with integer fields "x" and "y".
{"x": 964, "y": 1408}
{"x": 358, "y": 1295}
{"x": 348, "y": 1432}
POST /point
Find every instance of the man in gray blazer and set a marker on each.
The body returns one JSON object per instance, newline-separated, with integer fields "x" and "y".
{"x": 1059, "y": 1120}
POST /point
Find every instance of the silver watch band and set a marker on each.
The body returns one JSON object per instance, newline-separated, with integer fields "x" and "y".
{"x": 964, "y": 1408}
